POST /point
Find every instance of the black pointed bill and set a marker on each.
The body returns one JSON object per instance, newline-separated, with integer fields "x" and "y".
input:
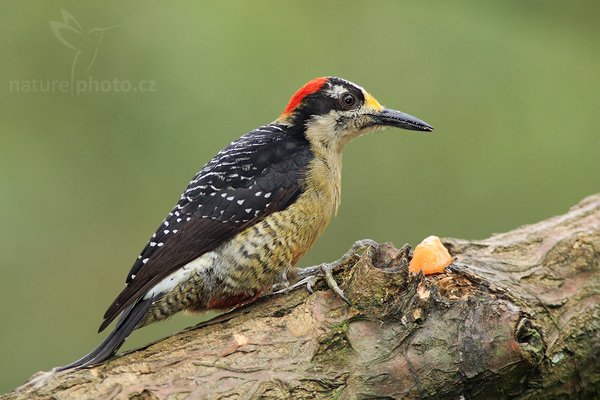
{"x": 398, "y": 119}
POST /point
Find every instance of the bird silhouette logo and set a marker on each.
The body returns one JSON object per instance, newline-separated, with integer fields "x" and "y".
{"x": 85, "y": 44}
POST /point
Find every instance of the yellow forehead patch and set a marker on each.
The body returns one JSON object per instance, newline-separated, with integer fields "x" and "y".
{"x": 372, "y": 103}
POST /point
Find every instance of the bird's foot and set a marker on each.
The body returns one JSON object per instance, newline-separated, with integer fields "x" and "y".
{"x": 282, "y": 285}
{"x": 310, "y": 275}
{"x": 309, "y": 281}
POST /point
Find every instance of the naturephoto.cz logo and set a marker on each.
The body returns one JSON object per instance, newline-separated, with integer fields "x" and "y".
{"x": 85, "y": 46}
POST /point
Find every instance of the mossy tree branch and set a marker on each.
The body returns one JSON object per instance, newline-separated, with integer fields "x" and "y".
{"x": 515, "y": 316}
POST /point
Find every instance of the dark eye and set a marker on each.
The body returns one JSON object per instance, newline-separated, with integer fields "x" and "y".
{"x": 348, "y": 100}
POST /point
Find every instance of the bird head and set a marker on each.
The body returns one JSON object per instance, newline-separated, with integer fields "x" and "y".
{"x": 332, "y": 111}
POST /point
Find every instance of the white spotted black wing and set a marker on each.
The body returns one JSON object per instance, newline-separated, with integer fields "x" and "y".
{"x": 260, "y": 173}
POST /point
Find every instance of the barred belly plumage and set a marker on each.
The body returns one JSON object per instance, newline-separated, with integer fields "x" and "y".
{"x": 246, "y": 266}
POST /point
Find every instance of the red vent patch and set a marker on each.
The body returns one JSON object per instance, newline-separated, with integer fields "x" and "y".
{"x": 304, "y": 91}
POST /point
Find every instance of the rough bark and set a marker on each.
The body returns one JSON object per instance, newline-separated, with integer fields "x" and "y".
{"x": 515, "y": 316}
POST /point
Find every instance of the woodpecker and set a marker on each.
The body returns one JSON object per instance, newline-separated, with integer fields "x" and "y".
{"x": 250, "y": 214}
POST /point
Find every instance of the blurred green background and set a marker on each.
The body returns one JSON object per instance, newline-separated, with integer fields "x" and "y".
{"x": 512, "y": 88}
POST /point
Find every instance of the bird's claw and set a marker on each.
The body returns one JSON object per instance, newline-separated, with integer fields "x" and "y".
{"x": 309, "y": 281}
{"x": 327, "y": 272}
{"x": 310, "y": 275}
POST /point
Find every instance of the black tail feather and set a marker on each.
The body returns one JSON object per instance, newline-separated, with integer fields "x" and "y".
{"x": 128, "y": 321}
